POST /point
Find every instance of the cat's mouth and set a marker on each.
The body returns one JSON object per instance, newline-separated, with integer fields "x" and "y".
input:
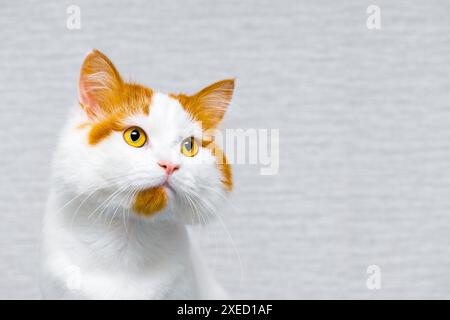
{"x": 163, "y": 184}
{"x": 166, "y": 185}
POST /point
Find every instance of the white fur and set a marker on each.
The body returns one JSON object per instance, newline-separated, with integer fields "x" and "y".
{"x": 94, "y": 246}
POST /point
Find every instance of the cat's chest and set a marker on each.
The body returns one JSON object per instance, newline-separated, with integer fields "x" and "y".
{"x": 172, "y": 283}
{"x": 132, "y": 274}
{"x": 135, "y": 260}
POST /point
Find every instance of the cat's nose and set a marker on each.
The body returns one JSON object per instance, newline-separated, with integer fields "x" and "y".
{"x": 168, "y": 167}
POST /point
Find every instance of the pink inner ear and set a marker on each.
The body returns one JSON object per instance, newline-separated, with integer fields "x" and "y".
{"x": 98, "y": 79}
{"x": 88, "y": 103}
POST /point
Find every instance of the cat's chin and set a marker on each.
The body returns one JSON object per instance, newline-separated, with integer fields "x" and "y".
{"x": 151, "y": 200}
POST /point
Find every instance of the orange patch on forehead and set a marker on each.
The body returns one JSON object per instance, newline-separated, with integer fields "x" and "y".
{"x": 135, "y": 100}
{"x": 128, "y": 100}
{"x": 150, "y": 201}
{"x": 104, "y": 128}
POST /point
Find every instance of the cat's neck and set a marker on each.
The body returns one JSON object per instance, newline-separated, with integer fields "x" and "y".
{"x": 130, "y": 240}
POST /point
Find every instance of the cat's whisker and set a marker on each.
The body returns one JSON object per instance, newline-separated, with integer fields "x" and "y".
{"x": 92, "y": 188}
{"x": 81, "y": 205}
{"x": 196, "y": 210}
{"x": 129, "y": 212}
{"x": 193, "y": 206}
{"x": 105, "y": 203}
{"x": 126, "y": 203}
{"x": 233, "y": 244}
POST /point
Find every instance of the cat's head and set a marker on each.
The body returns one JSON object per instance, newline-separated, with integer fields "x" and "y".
{"x": 148, "y": 153}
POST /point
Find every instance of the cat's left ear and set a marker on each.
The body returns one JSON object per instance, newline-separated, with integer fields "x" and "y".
{"x": 210, "y": 104}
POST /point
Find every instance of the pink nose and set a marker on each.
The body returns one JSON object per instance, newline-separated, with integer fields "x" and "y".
{"x": 168, "y": 167}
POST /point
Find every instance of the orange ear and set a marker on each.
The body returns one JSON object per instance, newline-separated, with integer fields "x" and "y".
{"x": 209, "y": 105}
{"x": 99, "y": 79}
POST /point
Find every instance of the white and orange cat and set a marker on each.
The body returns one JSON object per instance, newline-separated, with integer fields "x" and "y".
{"x": 133, "y": 167}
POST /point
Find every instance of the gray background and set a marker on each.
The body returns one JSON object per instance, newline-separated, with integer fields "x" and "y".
{"x": 364, "y": 121}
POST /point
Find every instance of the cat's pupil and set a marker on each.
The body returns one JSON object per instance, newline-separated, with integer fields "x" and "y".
{"x": 188, "y": 145}
{"x": 135, "y": 135}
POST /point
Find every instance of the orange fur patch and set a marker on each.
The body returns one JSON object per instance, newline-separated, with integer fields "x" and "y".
{"x": 135, "y": 102}
{"x": 150, "y": 201}
{"x": 129, "y": 99}
{"x": 104, "y": 128}
{"x": 223, "y": 165}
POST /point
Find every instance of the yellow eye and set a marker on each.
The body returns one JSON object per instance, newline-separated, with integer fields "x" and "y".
{"x": 189, "y": 147}
{"x": 135, "y": 137}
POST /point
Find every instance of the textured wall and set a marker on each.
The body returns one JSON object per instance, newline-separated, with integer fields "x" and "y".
{"x": 364, "y": 121}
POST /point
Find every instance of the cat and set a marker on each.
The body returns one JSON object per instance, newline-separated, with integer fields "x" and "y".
{"x": 132, "y": 169}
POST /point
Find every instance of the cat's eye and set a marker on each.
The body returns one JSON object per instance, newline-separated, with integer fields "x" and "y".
{"x": 189, "y": 147}
{"x": 135, "y": 137}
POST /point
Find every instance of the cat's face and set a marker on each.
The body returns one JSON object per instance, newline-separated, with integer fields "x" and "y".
{"x": 148, "y": 153}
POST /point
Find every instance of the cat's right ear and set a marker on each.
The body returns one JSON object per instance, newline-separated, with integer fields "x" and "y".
{"x": 99, "y": 80}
